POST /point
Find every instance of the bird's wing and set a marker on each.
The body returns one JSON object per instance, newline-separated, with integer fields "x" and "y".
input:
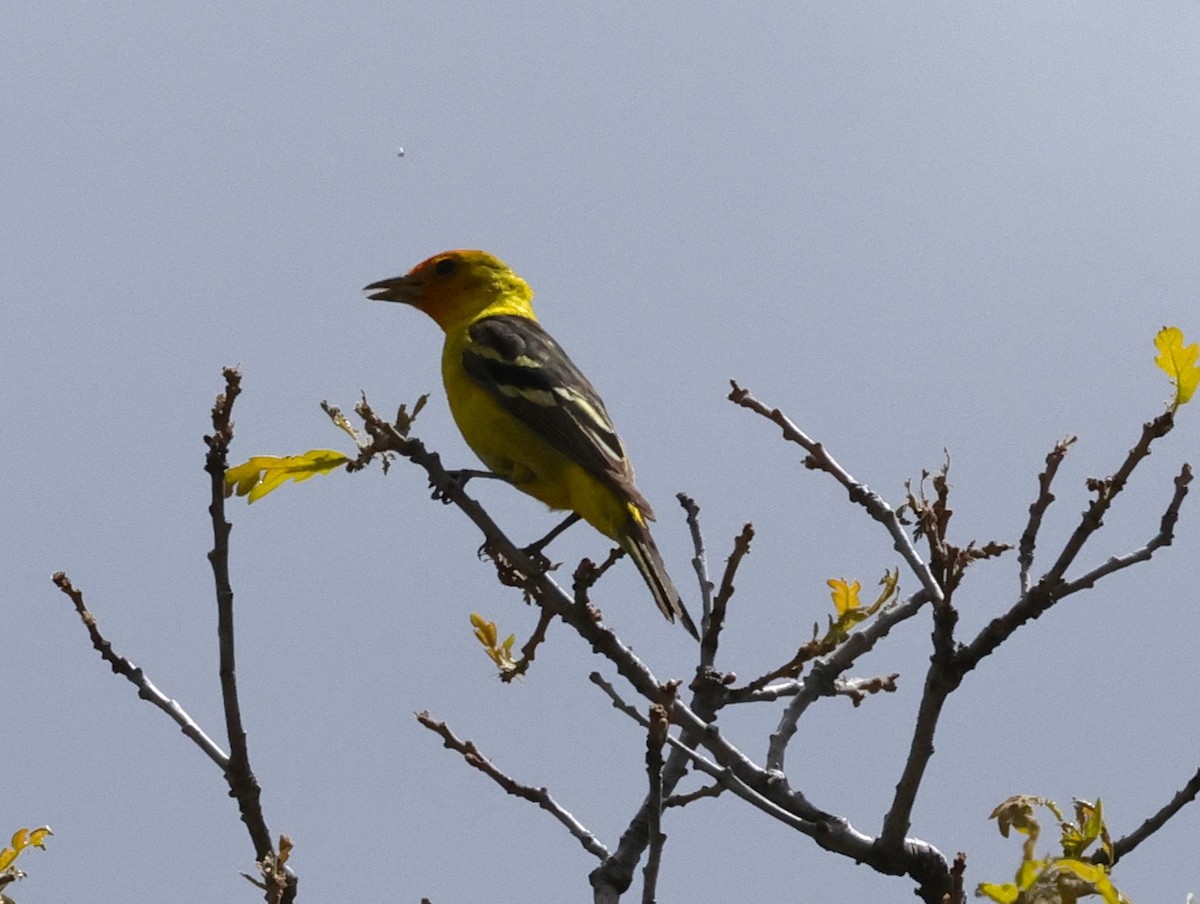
{"x": 529, "y": 374}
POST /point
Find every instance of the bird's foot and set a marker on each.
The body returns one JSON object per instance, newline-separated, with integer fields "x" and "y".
{"x": 455, "y": 481}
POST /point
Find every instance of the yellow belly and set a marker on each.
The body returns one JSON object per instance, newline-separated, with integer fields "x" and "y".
{"x": 516, "y": 452}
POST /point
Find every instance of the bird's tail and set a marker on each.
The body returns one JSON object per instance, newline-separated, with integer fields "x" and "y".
{"x": 637, "y": 542}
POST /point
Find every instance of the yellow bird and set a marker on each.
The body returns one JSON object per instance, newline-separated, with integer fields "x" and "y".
{"x": 526, "y": 410}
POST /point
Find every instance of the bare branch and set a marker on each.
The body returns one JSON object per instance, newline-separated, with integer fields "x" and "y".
{"x": 947, "y": 562}
{"x": 820, "y": 681}
{"x": 700, "y": 564}
{"x": 1106, "y": 491}
{"x": 514, "y": 566}
{"x": 682, "y": 800}
{"x": 958, "y": 871}
{"x": 766, "y": 693}
{"x": 146, "y": 689}
{"x": 723, "y": 776}
{"x": 940, "y": 679}
{"x": 716, "y": 620}
{"x": 587, "y": 573}
{"x": 281, "y": 885}
{"x": 1164, "y": 537}
{"x": 618, "y": 702}
{"x": 1042, "y": 596}
{"x": 1123, "y": 846}
{"x": 660, "y": 725}
{"x": 1037, "y": 509}
{"x": 860, "y": 494}
{"x": 242, "y": 783}
{"x": 769, "y": 791}
{"x": 529, "y": 650}
{"x": 916, "y": 858}
{"x": 858, "y": 689}
{"x": 539, "y": 796}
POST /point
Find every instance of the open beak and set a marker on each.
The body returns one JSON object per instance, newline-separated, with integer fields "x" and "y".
{"x": 398, "y": 288}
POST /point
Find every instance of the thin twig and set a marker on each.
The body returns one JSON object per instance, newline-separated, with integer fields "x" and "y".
{"x": 860, "y": 494}
{"x": 858, "y": 689}
{"x": 815, "y": 647}
{"x": 242, "y": 783}
{"x": 280, "y": 888}
{"x": 724, "y": 776}
{"x": 1123, "y": 846}
{"x": 529, "y": 650}
{"x": 700, "y": 564}
{"x": 769, "y": 693}
{"x": 616, "y": 870}
{"x": 146, "y": 689}
{"x": 1106, "y": 491}
{"x": 958, "y": 872}
{"x": 1164, "y": 537}
{"x": 618, "y": 702}
{"x": 587, "y": 573}
{"x": 539, "y": 796}
{"x": 716, "y": 621}
{"x": 660, "y": 725}
{"x": 1041, "y": 597}
{"x": 682, "y": 800}
{"x": 821, "y": 678}
{"x": 769, "y": 791}
{"x": 1037, "y": 509}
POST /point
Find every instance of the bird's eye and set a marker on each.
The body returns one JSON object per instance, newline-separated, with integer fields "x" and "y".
{"x": 446, "y": 266}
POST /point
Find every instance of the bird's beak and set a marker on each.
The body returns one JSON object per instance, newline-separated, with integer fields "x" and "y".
{"x": 398, "y": 288}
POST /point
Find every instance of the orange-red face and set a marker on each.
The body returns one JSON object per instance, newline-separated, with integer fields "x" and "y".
{"x": 449, "y": 285}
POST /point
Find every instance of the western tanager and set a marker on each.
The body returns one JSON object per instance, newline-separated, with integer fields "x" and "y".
{"x": 524, "y": 407}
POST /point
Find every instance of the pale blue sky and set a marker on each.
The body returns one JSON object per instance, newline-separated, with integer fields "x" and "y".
{"x": 911, "y": 226}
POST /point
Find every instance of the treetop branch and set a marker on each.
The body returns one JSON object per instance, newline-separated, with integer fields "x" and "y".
{"x": 1037, "y": 509}
{"x": 1042, "y": 595}
{"x": 540, "y": 796}
{"x": 146, "y": 688}
{"x": 243, "y": 785}
{"x": 819, "y": 459}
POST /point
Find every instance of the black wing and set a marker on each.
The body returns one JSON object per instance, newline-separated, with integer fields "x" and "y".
{"x": 531, "y": 376}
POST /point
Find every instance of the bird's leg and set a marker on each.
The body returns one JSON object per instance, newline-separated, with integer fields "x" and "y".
{"x": 534, "y": 550}
{"x": 460, "y": 478}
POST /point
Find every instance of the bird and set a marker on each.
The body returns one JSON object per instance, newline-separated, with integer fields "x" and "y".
{"x": 525, "y": 408}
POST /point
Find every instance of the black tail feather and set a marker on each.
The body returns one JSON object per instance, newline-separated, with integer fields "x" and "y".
{"x": 640, "y": 547}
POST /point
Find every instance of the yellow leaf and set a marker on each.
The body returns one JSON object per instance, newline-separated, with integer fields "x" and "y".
{"x": 264, "y": 473}
{"x": 1091, "y": 824}
{"x": 1028, "y": 873}
{"x": 1003, "y": 894}
{"x": 1179, "y": 363}
{"x": 488, "y": 636}
{"x": 1094, "y": 876}
{"x": 845, "y": 596}
{"x": 485, "y": 630}
{"x": 890, "y": 582}
{"x": 21, "y": 839}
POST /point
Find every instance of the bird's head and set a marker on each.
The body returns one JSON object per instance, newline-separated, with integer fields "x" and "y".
{"x": 455, "y": 287}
